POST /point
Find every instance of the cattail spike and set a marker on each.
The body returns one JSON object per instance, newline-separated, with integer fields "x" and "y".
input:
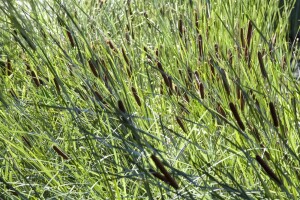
{"x": 180, "y": 28}
{"x": 268, "y": 170}
{"x": 93, "y": 68}
{"x": 200, "y": 46}
{"x": 121, "y": 106}
{"x": 69, "y": 34}
{"x": 136, "y": 96}
{"x": 163, "y": 170}
{"x": 242, "y": 38}
{"x": 158, "y": 175}
{"x": 59, "y": 152}
{"x": 159, "y": 65}
{"x": 273, "y": 113}
{"x": 186, "y": 97}
{"x": 99, "y": 97}
{"x": 180, "y": 124}
{"x": 236, "y": 116}
{"x": 112, "y": 46}
{"x": 221, "y": 110}
{"x": 8, "y": 67}
{"x": 249, "y": 35}
{"x": 200, "y": 85}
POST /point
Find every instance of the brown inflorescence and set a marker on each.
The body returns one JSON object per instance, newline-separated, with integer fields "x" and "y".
{"x": 59, "y": 152}
{"x": 236, "y": 115}
{"x": 180, "y": 124}
{"x": 163, "y": 170}
{"x": 273, "y": 114}
{"x": 121, "y": 106}
{"x": 268, "y": 170}
{"x": 136, "y": 96}
{"x": 69, "y": 34}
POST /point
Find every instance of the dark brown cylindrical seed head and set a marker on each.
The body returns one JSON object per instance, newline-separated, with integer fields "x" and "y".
{"x": 180, "y": 28}
{"x": 180, "y": 124}
{"x": 261, "y": 65}
{"x": 136, "y": 96}
{"x": 186, "y": 97}
{"x": 159, "y": 66}
{"x": 201, "y": 88}
{"x": 69, "y": 34}
{"x": 158, "y": 175}
{"x": 268, "y": 170}
{"x": 93, "y": 68}
{"x": 221, "y": 110}
{"x": 225, "y": 82}
{"x": 8, "y": 67}
{"x": 200, "y": 46}
{"x": 112, "y": 46}
{"x": 59, "y": 152}
{"x": 163, "y": 170}
{"x": 165, "y": 77}
{"x": 121, "y": 106}
{"x": 242, "y": 38}
{"x": 249, "y": 33}
{"x": 99, "y": 97}
{"x": 273, "y": 114}
{"x": 36, "y": 80}
{"x": 200, "y": 85}
{"x": 236, "y": 116}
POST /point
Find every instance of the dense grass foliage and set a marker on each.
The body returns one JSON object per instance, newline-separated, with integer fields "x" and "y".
{"x": 147, "y": 100}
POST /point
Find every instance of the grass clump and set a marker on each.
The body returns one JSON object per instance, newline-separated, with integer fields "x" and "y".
{"x": 147, "y": 99}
